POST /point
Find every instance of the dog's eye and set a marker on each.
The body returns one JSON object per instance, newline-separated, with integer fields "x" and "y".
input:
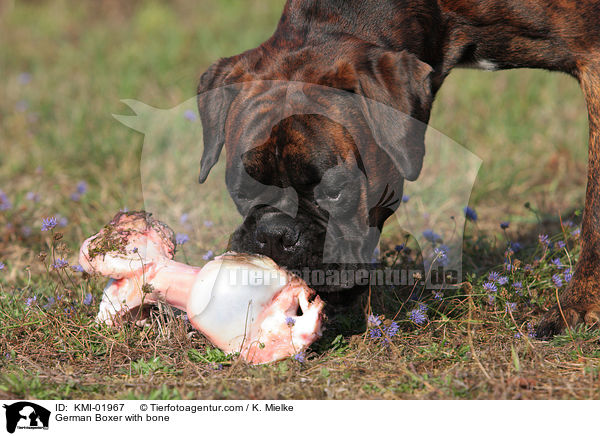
{"x": 329, "y": 192}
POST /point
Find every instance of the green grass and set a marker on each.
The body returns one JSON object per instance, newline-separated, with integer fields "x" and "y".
{"x": 529, "y": 128}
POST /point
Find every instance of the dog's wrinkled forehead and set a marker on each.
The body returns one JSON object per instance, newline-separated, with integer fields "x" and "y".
{"x": 241, "y": 101}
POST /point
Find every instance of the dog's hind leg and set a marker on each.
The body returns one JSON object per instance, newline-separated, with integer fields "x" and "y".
{"x": 580, "y": 302}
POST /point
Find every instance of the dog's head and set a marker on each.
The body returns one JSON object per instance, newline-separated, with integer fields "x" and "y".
{"x": 319, "y": 141}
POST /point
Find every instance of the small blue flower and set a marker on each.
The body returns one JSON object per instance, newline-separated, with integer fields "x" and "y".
{"x": 374, "y": 320}
{"x": 5, "y": 203}
{"x": 31, "y": 300}
{"x": 556, "y": 262}
{"x": 493, "y": 276}
{"x": 440, "y": 254}
{"x": 374, "y": 333}
{"x": 60, "y": 264}
{"x": 32, "y": 196}
{"x": 418, "y": 315}
{"x": 544, "y": 240}
{"x": 2, "y": 266}
{"x": 431, "y": 236}
{"x": 502, "y": 280}
{"x": 77, "y": 268}
{"x": 392, "y": 330}
{"x": 24, "y": 78}
{"x": 82, "y": 187}
{"x": 75, "y": 196}
{"x": 438, "y": 295}
{"x": 568, "y": 275}
{"x": 491, "y": 299}
{"x": 517, "y": 335}
{"x": 470, "y": 213}
{"x": 405, "y": 198}
{"x": 88, "y": 299}
{"x": 61, "y": 221}
{"x": 504, "y": 225}
{"x": 560, "y": 245}
{"x": 290, "y": 321}
{"x": 557, "y": 280}
{"x": 184, "y": 217}
{"x": 530, "y": 330}
{"x": 181, "y": 238}
{"x": 490, "y": 287}
{"x": 209, "y": 255}
{"x": 48, "y": 223}
{"x": 208, "y": 223}
{"x": 510, "y": 307}
{"x": 517, "y": 285}
{"x": 576, "y": 232}
{"x": 516, "y": 246}
{"x": 300, "y": 357}
{"x": 190, "y": 115}
{"x": 399, "y": 248}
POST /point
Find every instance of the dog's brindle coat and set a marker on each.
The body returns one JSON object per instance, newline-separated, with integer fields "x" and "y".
{"x": 399, "y": 52}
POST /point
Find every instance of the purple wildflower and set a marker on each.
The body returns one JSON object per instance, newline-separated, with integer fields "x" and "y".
{"x": 48, "y": 223}
{"x": 2, "y": 266}
{"x": 392, "y": 330}
{"x": 576, "y": 232}
{"x": 24, "y": 78}
{"x": 491, "y": 299}
{"x": 31, "y": 300}
{"x": 517, "y": 335}
{"x": 82, "y": 187}
{"x": 561, "y": 244}
{"x": 510, "y": 307}
{"x": 208, "y": 223}
{"x": 490, "y": 287}
{"x": 5, "y": 203}
{"x": 32, "y": 196}
{"x": 502, "y": 280}
{"x": 374, "y": 320}
{"x": 405, "y": 198}
{"x": 530, "y": 330}
{"x": 418, "y": 315}
{"x": 438, "y": 295}
{"x": 290, "y": 321}
{"x": 544, "y": 240}
{"x": 77, "y": 268}
{"x": 493, "y": 276}
{"x": 300, "y": 357}
{"x": 184, "y": 217}
{"x": 557, "y": 280}
{"x": 470, "y": 213}
{"x": 190, "y": 115}
{"x": 568, "y": 275}
{"x": 431, "y": 236}
{"x": 399, "y": 248}
{"x": 517, "y": 285}
{"x": 88, "y": 299}
{"x": 60, "y": 264}
{"x": 209, "y": 255}
{"x": 516, "y": 246}
{"x": 504, "y": 225}
{"x": 374, "y": 333}
{"x": 181, "y": 238}
{"x": 62, "y": 221}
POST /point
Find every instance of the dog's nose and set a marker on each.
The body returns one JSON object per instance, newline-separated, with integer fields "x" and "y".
{"x": 276, "y": 233}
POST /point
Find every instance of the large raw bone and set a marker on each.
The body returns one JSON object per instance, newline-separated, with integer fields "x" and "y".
{"x": 241, "y": 303}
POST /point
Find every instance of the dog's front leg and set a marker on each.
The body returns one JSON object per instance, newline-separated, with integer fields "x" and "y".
{"x": 580, "y": 302}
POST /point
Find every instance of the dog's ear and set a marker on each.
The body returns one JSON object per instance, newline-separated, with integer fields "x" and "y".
{"x": 214, "y": 99}
{"x": 401, "y": 81}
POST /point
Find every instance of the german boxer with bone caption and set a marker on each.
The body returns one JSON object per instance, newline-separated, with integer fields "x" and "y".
{"x": 397, "y": 52}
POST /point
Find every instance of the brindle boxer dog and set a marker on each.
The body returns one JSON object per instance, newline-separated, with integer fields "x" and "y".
{"x": 397, "y": 52}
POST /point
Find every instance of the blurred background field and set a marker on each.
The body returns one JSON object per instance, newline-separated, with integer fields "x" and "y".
{"x": 65, "y": 66}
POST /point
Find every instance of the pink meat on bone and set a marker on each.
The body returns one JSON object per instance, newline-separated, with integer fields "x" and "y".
{"x": 241, "y": 303}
